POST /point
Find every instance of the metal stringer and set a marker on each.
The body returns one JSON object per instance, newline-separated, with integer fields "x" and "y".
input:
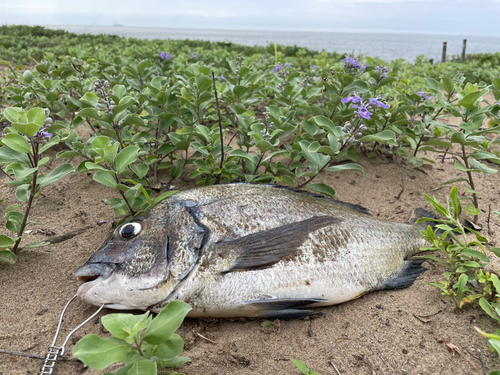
{"x": 55, "y": 352}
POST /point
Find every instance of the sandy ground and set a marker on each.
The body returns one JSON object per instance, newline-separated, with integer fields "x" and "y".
{"x": 376, "y": 334}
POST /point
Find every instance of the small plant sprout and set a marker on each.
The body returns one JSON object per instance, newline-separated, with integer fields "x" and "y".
{"x": 144, "y": 344}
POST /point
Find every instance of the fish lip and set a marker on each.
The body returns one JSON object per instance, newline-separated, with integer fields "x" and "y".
{"x": 92, "y": 274}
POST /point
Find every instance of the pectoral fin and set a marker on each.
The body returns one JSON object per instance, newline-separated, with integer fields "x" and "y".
{"x": 263, "y": 249}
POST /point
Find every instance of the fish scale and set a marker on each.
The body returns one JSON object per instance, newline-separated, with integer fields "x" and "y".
{"x": 257, "y": 250}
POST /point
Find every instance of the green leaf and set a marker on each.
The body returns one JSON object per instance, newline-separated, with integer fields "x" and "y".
{"x": 90, "y": 98}
{"x": 170, "y": 348}
{"x": 121, "y": 371}
{"x": 477, "y": 165}
{"x": 454, "y": 180}
{"x": 163, "y": 196}
{"x": 177, "y": 361}
{"x": 22, "y": 193}
{"x": 471, "y": 210}
{"x": 346, "y": 167}
{"x": 125, "y": 157}
{"x": 488, "y": 309}
{"x": 462, "y": 282}
{"x": 98, "y": 353}
{"x": 455, "y": 202}
{"x": 327, "y": 124}
{"x": 57, "y": 174}
{"x": 143, "y": 367}
{"x": 119, "y": 324}
{"x": 6, "y": 241}
{"x": 37, "y": 117}
{"x": 468, "y": 100}
{"x": 459, "y": 165}
{"x": 448, "y": 84}
{"x": 301, "y": 366}
{"x": 8, "y": 155}
{"x": 476, "y": 254}
{"x": 359, "y": 87}
{"x": 28, "y": 129}
{"x": 119, "y": 91}
{"x": 322, "y": 189}
{"x": 17, "y": 143}
{"x": 432, "y": 85}
{"x": 13, "y": 114}
{"x": 167, "y": 322}
{"x": 105, "y": 178}
{"x": 496, "y": 251}
{"x": 140, "y": 169}
{"x": 7, "y": 257}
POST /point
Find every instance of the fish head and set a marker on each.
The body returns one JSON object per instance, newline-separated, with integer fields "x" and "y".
{"x": 143, "y": 260}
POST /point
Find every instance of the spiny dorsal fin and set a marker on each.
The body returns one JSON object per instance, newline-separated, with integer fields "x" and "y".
{"x": 263, "y": 249}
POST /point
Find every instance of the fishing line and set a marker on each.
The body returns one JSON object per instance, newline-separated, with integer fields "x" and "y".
{"x": 58, "y": 351}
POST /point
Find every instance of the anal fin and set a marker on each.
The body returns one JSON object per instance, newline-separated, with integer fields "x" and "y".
{"x": 284, "y": 308}
{"x": 409, "y": 271}
{"x": 288, "y": 314}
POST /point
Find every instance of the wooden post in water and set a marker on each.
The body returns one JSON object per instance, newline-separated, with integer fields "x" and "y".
{"x": 463, "y": 50}
{"x": 443, "y": 58}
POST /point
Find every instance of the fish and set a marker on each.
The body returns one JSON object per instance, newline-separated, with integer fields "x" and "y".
{"x": 250, "y": 250}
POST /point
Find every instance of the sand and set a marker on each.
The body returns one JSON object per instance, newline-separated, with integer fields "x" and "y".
{"x": 380, "y": 333}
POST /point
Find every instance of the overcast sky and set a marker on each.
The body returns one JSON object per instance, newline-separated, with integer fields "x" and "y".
{"x": 464, "y": 17}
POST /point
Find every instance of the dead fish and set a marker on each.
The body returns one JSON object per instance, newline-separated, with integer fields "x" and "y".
{"x": 243, "y": 250}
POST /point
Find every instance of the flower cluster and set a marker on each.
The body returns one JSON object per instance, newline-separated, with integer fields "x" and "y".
{"x": 353, "y": 134}
{"x": 352, "y": 62}
{"x": 363, "y": 108}
{"x": 384, "y": 72}
{"x": 281, "y": 66}
{"x": 100, "y": 87}
{"x": 165, "y": 56}
{"x": 194, "y": 55}
{"x": 42, "y": 135}
{"x": 424, "y": 95}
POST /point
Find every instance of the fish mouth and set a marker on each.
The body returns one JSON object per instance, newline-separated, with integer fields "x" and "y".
{"x": 91, "y": 275}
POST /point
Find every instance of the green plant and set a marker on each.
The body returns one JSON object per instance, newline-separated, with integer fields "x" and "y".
{"x": 302, "y": 367}
{"x": 21, "y": 151}
{"x": 458, "y": 253}
{"x": 144, "y": 344}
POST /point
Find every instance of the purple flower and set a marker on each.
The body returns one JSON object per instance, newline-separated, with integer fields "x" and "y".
{"x": 424, "y": 95}
{"x": 364, "y": 112}
{"x": 383, "y": 71}
{"x": 222, "y": 78}
{"x": 355, "y": 99}
{"x": 194, "y": 55}
{"x": 165, "y": 56}
{"x": 351, "y": 62}
{"x": 378, "y": 103}
{"x": 42, "y": 134}
{"x": 287, "y": 65}
{"x": 314, "y": 67}
{"x": 278, "y": 67}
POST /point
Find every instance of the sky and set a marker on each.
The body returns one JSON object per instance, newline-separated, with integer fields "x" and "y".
{"x": 464, "y": 17}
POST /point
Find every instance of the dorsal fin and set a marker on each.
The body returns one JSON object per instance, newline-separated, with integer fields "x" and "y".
{"x": 352, "y": 206}
{"x": 263, "y": 249}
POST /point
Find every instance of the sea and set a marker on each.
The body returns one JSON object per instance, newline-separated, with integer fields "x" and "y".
{"x": 387, "y": 46}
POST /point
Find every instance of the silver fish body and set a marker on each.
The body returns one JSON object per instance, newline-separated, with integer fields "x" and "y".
{"x": 249, "y": 250}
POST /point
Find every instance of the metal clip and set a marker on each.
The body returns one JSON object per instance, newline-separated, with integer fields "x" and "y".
{"x": 55, "y": 352}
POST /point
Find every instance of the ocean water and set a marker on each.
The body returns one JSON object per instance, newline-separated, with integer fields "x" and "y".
{"x": 387, "y": 46}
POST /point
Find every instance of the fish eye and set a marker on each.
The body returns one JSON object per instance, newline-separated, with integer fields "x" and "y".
{"x": 130, "y": 230}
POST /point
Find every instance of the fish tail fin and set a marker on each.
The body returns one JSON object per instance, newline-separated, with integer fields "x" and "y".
{"x": 408, "y": 273}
